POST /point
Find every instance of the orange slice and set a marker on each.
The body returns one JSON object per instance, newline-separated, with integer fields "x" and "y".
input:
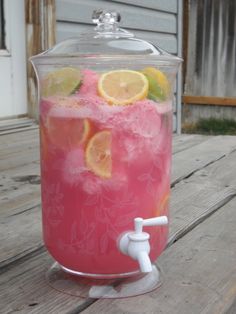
{"x": 98, "y": 154}
{"x": 67, "y": 132}
{"x": 122, "y": 87}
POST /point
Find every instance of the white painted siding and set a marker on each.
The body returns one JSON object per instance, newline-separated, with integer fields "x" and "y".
{"x": 157, "y": 21}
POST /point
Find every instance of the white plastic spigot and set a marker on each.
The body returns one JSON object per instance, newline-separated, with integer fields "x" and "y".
{"x": 136, "y": 243}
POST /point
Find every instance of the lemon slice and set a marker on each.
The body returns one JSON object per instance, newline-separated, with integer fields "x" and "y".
{"x": 159, "y": 86}
{"x": 98, "y": 154}
{"x": 62, "y": 82}
{"x": 122, "y": 87}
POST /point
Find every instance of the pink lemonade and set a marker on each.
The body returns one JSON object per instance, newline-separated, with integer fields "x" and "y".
{"x": 88, "y": 206}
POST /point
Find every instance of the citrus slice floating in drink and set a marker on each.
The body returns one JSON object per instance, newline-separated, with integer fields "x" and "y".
{"x": 159, "y": 86}
{"x": 123, "y": 87}
{"x": 98, "y": 154}
{"x": 69, "y": 132}
{"x": 61, "y": 82}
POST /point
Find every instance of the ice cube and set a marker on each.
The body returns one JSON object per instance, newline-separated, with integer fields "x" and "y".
{"x": 74, "y": 167}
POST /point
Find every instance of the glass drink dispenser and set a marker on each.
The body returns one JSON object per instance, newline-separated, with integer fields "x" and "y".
{"x": 105, "y": 103}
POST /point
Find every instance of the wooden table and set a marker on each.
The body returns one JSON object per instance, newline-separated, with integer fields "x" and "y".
{"x": 199, "y": 262}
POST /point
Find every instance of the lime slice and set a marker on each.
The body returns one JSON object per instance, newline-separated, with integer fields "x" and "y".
{"x": 62, "y": 82}
{"x": 159, "y": 86}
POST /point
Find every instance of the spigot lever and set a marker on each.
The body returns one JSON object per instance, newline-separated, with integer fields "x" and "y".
{"x": 156, "y": 221}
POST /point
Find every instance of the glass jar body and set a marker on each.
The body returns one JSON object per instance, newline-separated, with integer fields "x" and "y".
{"x": 86, "y": 205}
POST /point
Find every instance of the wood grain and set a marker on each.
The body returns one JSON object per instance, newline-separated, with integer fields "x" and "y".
{"x": 200, "y": 195}
{"x": 20, "y": 234}
{"x": 9, "y": 124}
{"x": 209, "y": 100}
{"x": 23, "y": 289}
{"x": 199, "y": 156}
{"x": 186, "y": 141}
{"x": 40, "y": 35}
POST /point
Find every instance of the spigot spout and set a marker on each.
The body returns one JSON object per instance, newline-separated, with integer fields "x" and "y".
{"x": 144, "y": 262}
{"x": 136, "y": 243}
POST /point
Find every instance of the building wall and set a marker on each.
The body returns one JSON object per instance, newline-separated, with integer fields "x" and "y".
{"x": 157, "y": 21}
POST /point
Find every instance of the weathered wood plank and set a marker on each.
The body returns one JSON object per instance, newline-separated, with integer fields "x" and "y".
{"x": 15, "y": 123}
{"x": 19, "y": 189}
{"x": 40, "y": 35}
{"x": 19, "y": 159}
{"x": 25, "y": 147}
{"x": 12, "y": 205}
{"x": 232, "y": 309}
{"x": 12, "y": 148}
{"x": 17, "y": 130}
{"x": 194, "y": 112}
{"x": 20, "y": 234}
{"x": 23, "y": 289}
{"x": 200, "y": 273}
{"x": 18, "y": 137}
{"x": 209, "y": 100}
{"x": 186, "y": 141}
{"x": 18, "y": 149}
{"x": 19, "y": 204}
{"x": 199, "y": 156}
{"x": 198, "y": 196}
{"x": 14, "y": 137}
{"x": 134, "y": 18}
{"x": 202, "y": 201}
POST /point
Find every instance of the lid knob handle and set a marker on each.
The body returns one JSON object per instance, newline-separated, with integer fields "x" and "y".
{"x": 105, "y": 20}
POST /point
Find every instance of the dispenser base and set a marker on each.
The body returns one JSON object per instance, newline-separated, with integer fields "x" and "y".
{"x": 77, "y": 285}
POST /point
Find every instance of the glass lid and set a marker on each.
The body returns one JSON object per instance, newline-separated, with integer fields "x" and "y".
{"x": 107, "y": 40}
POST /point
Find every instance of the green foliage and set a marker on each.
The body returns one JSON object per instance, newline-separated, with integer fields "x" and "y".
{"x": 212, "y": 126}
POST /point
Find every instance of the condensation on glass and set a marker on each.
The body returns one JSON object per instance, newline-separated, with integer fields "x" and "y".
{"x": 211, "y": 69}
